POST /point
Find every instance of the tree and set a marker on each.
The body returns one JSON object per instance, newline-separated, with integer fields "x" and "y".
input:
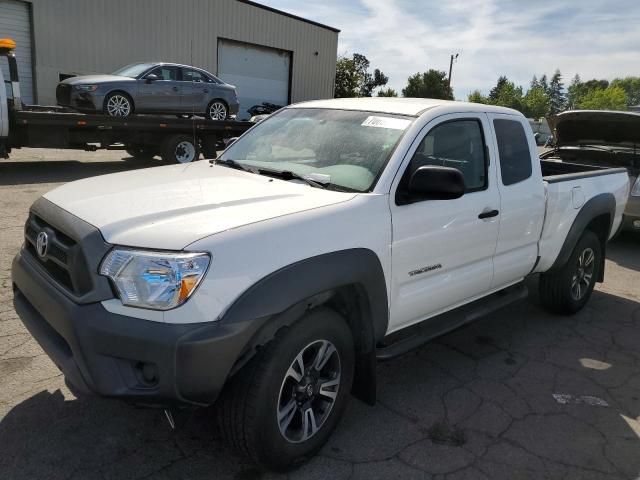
{"x": 610, "y": 98}
{"x": 495, "y": 91}
{"x": 543, "y": 83}
{"x": 631, "y": 86}
{"x": 506, "y": 94}
{"x": 477, "y": 97}
{"x": 536, "y": 102}
{"x": 556, "y": 94}
{"x": 353, "y": 78}
{"x": 578, "y": 89}
{"x": 430, "y": 84}
{"x": 387, "y": 92}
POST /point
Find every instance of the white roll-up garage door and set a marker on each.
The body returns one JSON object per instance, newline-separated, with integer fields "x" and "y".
{"x": 15, "y": 23}
{"x": 260, "y": 74}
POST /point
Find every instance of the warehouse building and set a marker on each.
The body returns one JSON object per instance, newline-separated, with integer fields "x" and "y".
{"x": 267, "y": 54}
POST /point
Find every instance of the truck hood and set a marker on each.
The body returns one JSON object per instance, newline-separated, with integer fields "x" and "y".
{"x": 576, "y": 127}
{"x": 96, "y": 79}
{"x": 171, "y": 207}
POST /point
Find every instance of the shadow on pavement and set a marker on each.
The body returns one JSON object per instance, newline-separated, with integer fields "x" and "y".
{"x": 625, "y": 251}
{"x": 479, "y": 400}
{"x": 26, "y": 172}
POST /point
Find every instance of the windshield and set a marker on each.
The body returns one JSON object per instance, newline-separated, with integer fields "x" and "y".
{"x": 133, "y": 70}
{"x": 340, "y": 148}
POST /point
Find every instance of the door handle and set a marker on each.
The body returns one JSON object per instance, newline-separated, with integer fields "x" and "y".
{"x": 175, "y": 89}
{"x": 205, "y": 90}
{"x": 489, "y": 214}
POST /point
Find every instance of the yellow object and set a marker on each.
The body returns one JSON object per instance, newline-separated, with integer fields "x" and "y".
{"x": 7, "y": 43}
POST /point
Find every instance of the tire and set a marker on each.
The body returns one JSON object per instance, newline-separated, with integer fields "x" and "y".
{"x": 568, "y": 289}
{"x": 141, "y": 153}
{"x": 180, "y": 149}
{"x": 260, "y": 394}
{"x": 217, "y": 110}
{"x": 118, "y": 104}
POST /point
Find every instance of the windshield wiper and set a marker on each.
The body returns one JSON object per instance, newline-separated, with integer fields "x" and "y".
{"x": 289, "y": 175}
{"x": 233, "y": 164}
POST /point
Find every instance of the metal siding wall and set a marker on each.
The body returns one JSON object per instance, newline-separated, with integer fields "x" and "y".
{"x": 16, "y": 24}
{"x": 90, "y": 36}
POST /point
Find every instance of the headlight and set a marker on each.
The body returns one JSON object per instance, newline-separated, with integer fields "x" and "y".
{"x": 87, "y": 88}
{"x": 635, "y": 190}
{"x": 154, "y": 280}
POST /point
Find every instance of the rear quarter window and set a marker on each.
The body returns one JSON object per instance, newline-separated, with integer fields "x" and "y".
{"x": 513, "y": 148}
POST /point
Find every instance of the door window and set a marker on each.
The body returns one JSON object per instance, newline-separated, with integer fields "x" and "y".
{"x": 457, "y": 144}
{"x": 166, "y": 73}
{"x": 189, "y": 75}
{"x": 513, "y": 147}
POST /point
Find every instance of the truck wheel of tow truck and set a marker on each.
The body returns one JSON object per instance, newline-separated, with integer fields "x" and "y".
{"x": 281, "y": 407}
{"x": 180, "y": 149}
{"x": 568, "y": 289}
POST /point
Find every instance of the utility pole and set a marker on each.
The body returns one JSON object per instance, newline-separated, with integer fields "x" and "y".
{"x": 451, "y": 68}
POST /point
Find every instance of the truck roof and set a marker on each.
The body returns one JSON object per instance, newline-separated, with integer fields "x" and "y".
{"x": 402, "y": 105}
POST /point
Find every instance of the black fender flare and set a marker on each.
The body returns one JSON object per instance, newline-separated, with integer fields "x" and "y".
{"x": 602, "y": 204}
{"x": 282, "y": 297}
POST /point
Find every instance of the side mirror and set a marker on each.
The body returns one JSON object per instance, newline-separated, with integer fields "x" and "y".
{"x": 436, "y": 183}
{"x": 152, "y": 77}
{"x": 229, "y": 141}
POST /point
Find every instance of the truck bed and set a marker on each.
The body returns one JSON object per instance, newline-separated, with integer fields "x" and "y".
{"x": 568, "y": 188}
{"x": 554, "y": 171}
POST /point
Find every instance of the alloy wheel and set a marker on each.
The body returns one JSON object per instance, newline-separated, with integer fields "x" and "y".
{"x": 583, "y": 274}
{"x": 309, "y": 391}
{"x": 118, "y": 106}
{"x": 217, "y": 111}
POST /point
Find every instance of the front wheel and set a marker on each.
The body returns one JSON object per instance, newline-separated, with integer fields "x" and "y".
{"x": 118, "y": 105}
{"x": 281, "y": 408}
{"x": 217, "y": 110}
{"x": 568, "y": 289}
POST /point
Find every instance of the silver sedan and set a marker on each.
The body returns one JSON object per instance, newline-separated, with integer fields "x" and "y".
{"x": 165, "y": 88}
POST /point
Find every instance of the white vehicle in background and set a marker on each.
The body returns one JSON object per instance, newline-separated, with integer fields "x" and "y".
{"x": 332, "y": 234}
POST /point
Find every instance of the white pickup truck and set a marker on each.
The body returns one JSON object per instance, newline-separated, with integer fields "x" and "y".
{"x": 332, "y": 234}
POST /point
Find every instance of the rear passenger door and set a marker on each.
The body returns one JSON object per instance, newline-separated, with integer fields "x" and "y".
{"x": 442, "y": 250}
{"x": 195, "y": 90}
{"x": 519, "y": 180}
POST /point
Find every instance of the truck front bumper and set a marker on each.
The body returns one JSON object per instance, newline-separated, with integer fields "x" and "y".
{"x": 113, "y": 355}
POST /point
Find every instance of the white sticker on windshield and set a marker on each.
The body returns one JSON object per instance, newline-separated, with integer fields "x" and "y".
{"x": 386, "y": 122}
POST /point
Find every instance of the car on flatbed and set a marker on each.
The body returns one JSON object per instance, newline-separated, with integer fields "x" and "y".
{"x": 331, "y": 235}
{"x": 602, "y": 139}
{"x": 150, "y": 87}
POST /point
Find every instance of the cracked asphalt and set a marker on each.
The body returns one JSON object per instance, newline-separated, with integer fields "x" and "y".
{"x": 476, "y": 404}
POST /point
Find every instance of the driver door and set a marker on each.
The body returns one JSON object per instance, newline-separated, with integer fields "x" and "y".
{"x": 161, "y": 95}
{"x": 442, "y": 250}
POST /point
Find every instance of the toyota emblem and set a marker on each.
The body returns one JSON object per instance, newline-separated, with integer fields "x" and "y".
{"x": 42, "y": 244}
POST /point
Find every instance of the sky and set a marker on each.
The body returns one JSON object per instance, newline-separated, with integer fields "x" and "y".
{"x": 597, "y": 39}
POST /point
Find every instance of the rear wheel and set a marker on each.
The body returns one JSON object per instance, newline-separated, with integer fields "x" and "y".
{"x": 180, "y": 149}
{"x": 217, "y": 110}
{"x": 568, "y": 289}
{"x": 281, "y": 408}
{"x": 118, "y": 104}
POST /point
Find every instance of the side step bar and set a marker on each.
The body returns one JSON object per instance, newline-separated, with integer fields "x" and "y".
{"x": 402, "y": 342}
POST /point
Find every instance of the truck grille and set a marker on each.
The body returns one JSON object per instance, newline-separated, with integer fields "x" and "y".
{"x": 74, "y": 250}
{"x": 63, "y": 94}
{"x": 59, "y": 254}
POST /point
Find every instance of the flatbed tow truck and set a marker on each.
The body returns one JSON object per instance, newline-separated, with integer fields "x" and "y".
{"x": 176, "y": 140}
